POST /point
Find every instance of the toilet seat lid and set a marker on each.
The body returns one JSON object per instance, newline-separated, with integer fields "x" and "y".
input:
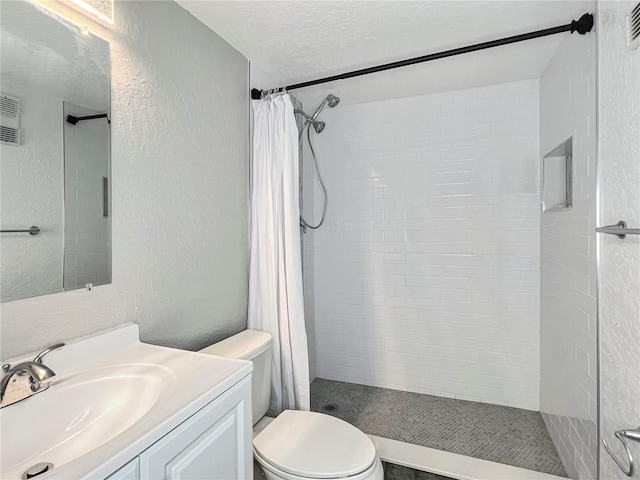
{"x": 314, "y": 445}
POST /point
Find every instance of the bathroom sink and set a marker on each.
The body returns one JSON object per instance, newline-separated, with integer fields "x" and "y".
{"x": 77, "y": 415}
{"x": 111, "y": 398}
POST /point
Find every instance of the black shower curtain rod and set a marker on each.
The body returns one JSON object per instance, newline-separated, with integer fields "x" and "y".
{"x": 582, "y": 26}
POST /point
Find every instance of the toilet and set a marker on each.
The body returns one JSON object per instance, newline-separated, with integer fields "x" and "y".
{"x": 297, "y": 445}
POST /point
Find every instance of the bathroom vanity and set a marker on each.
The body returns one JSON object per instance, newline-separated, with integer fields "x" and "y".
{"x": 121, "y": 409}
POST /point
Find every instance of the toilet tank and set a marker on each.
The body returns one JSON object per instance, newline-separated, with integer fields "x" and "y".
{"x": 255, "y": 346}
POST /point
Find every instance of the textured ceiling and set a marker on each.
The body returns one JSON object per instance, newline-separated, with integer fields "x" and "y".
{"x": 293, "y": 41}
{"x": 44, "y": 52}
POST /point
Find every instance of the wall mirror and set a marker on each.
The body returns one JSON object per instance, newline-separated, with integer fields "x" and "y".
{"x": 55, "y": 167}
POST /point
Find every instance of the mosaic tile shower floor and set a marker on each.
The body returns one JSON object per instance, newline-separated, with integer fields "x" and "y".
{"x": 491, "y": 432}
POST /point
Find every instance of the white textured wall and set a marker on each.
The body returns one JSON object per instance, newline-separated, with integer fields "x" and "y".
{"x": 32, "y": 194}
{"x": 179, "y": 166}
{"x": 568, "y": 313}
{"x": 87, "y": 240}
{"x": 619, "y": 269}
{"x": 427, "y": 271}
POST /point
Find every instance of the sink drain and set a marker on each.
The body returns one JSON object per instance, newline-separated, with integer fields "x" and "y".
{"x": 329, "y": 407}
{"x": 37, "y": 469}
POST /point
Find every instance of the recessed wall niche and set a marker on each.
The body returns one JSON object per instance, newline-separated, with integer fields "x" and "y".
{"x": 557, "y": 178}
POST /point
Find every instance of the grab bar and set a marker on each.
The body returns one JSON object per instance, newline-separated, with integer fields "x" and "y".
{"x": 620, "y": 229}
{"x": 623, "y": 436}
{"x": 32, "y": 230}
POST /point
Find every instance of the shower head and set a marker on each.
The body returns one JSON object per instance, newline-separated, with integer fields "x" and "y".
{"x": 318, "y": 126}
{"x": 332, "y": 100}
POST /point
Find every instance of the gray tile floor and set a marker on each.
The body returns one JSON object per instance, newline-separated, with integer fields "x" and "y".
{"x": 492, "y": 432}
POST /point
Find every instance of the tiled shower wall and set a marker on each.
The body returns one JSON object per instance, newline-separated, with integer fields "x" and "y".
{"x": 87, "y": 232}
{"x": 427, "y": 271}
{"x": 568, "y": 315}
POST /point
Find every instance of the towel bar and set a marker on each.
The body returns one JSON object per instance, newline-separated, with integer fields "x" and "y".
{"x": 620, "y": 229}
{"x": 623, "y": 436}
{"x": 32, "y": 230}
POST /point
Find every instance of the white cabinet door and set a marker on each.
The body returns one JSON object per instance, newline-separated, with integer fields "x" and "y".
{"x": 131, "y": 471}
{"x": 214, "y": 444}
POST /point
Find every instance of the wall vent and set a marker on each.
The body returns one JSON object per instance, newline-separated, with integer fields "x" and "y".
{"x": 10, "y": 136}
{"x": 9, "y": 106}
{"x": 633, "y": 27}
{"x": 9, "y": 120}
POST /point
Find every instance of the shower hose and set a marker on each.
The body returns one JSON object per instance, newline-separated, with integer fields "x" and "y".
{"x": 303, "y": 223}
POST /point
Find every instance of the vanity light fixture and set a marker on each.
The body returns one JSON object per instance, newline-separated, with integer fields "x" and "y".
{"x": 79, "y": 11}
{"x": 103, "y": 9}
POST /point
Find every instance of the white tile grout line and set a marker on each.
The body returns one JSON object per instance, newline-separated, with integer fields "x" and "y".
{"x": 453, "y": 465}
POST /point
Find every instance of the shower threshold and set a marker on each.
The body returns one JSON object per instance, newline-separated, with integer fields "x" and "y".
{"x": 409, "y": 428}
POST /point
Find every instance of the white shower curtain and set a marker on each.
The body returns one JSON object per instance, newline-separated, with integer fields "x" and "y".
{"x": 275, "y": 278}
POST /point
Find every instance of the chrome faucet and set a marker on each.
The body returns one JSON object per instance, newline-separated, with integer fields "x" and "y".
{"x": 26, "y": 378}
